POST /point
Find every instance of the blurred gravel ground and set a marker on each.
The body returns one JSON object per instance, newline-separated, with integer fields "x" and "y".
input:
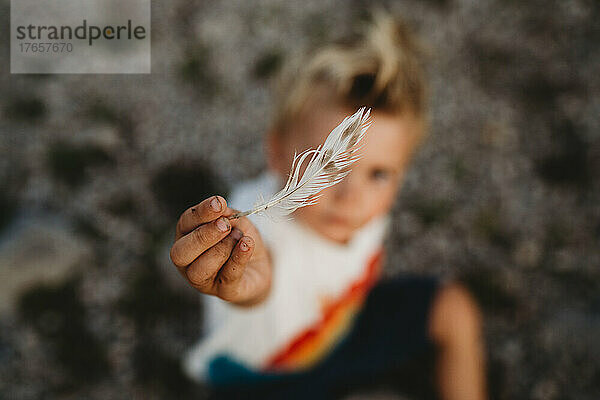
{"x": 504, "y": 195}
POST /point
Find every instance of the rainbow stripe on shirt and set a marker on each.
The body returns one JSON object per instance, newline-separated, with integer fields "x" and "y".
{"x": 315, "y": 342}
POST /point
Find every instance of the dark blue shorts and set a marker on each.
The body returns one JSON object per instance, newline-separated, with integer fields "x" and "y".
{"x": 386, "y": 348}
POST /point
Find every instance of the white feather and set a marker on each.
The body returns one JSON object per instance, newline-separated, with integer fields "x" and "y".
{"x": 329, "y": 164}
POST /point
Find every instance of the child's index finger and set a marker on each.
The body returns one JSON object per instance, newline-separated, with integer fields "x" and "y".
{"x": 206, "y": 211}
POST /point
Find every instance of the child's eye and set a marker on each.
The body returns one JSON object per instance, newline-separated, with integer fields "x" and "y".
{"x": 380, "y": 174}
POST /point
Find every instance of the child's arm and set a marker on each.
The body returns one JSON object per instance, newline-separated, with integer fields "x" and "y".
{"x": 222, "y": 257}
{"x": 455, "y": 324}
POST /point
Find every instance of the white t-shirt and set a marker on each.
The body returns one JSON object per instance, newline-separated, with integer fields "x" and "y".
{"x": 314, "y": 280}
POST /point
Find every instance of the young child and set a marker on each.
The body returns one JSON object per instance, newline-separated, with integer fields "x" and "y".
{"x": 295, "y": 309}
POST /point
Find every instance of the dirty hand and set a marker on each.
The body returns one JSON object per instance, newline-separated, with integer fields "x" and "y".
{"x": 219, "y": 256}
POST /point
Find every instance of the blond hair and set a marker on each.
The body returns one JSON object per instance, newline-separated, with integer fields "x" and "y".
{"x": 378, "y": 66}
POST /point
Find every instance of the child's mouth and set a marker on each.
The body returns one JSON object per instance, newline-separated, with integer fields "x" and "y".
{"x": 337, "y": 221}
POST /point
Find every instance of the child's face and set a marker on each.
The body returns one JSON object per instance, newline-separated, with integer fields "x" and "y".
{"x": 370, "y": 188}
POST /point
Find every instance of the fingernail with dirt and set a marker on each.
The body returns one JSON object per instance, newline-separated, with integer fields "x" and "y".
{"x": 223, "y": 225}
{"x": 244, "y": 245}
{"x": 215, "y": 204}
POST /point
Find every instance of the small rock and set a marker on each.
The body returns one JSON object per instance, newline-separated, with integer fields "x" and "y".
{"x": 527, "y": 253}
{"x": 34, "y": 252}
